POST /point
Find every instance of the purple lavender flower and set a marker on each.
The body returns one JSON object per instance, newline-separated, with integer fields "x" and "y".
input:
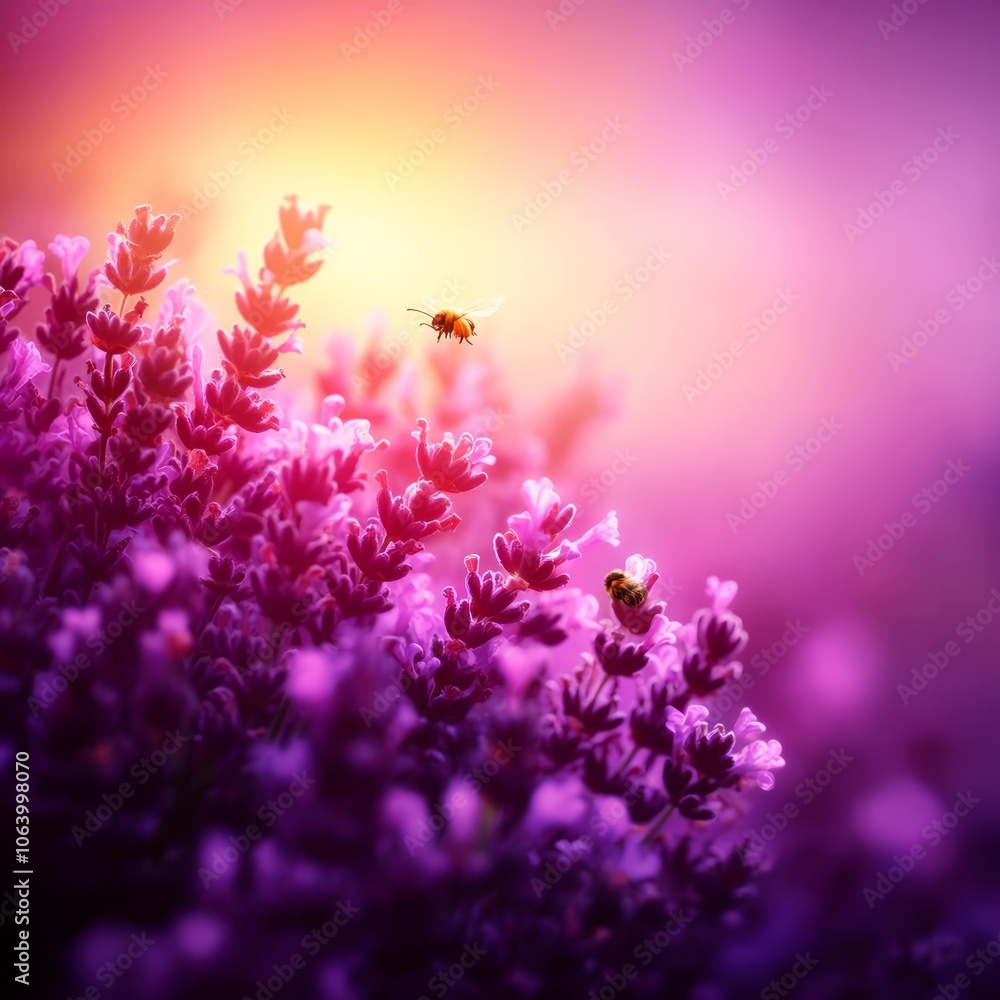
{"x": 532, "y": 550}
{"x": 236, "y": 605}
{"x": 451, "y": 465}
{"x": 17, "y": 390}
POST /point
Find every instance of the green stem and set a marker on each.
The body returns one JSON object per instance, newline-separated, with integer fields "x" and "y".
{"x": 597, "y": 693}
{"x": 108, "y": 375}
{"x": 50, "y": 580}
{"x": 658, "y": 825}
{"x": 52, "y": 380}
{"x": 212, "y": 612}
{"x": 625, "y": 762}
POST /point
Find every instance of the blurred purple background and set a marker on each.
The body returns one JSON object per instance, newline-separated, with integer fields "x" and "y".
{"x": 869, "y": 218}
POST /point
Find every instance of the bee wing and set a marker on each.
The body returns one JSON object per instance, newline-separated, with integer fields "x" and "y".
{"x": 430, "y": 305}
{"x": 483, "y": 307}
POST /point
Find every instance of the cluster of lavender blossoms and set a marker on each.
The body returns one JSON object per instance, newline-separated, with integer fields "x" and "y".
{"x": 283, "y": 726}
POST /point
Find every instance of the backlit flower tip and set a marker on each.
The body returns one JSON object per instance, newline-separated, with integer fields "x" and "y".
{"x": 545, "y": 517}
{"x": 285, "y": 267}
{"x": 264, "y": 309}
{"x": 463, "y": 626}
{"x": 605, "y": 532}
{"x": 340, "y": 442}
{"x": 16, "y": 388}
{"x": 755, "y": 758}
{"x": 722, "y": 593}
{"x": 747, "y": 728}
{"x": 529, "y": 568}
{"x": 178, "y": 304}
{"x": 684, "y": 723}
{"x": 662, "y": 632}
{"x": 111, "y": 333}
{"x": 296, "y": 224}
{"x": 70, "y": 250}
{"x": 243, "y": 407}
{"x": 148, "y": 235}
{"x": 642, "y": 568}
{"x": 375, "y": 562}
{"x": 451, "y": 465}
{"x": 293, "y": 255}
{"x": 757, "y": 762}
{"x": 247, "y": 356}
{"x": 722, "y": 755}
{"x": 420, "y": 512}
{"x": 28, "y": 262}
{"x": 129, "y": 275}
{"x": 490, "y": 598}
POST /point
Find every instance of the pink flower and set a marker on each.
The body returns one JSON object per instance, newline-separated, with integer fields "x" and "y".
{"x": 747, "y": 757}
{"x": 20, "y": 270}
{"x": 179, "y": 305}
{"x": 545, "y": 516}
{"x": 248, "y": 357}
{"x": 293, "y": 261}
{"x": 71, "y": 251}
{"x": 243, "y": 407}
{"x": 529, "y": 568}
{"x": 266, "y": 311}
{"x": 419, "y": 512}
{"x": 375, "y": 561}
{"x": 16, "y": 389}
{"x": 164, "y": 370}
{"x": 148, "y": 235}
{"x": 134, "y": 251}
{"x": 755, "y": 758}
{"x": 111, "y": 333}
{"x": 722, "y": 593}
{"x": 532, "y": 544}
{"x": 340, "y": 442}
{"x": 296, "y": 224}
{"x": 451, "y": 465}
{"x": 685, "y": 723}
{"x": 31, "y": 260}
{"x": 128, "y": 274}
{"x": 539, "y": 527}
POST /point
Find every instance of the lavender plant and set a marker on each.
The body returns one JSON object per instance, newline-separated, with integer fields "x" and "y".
{"x": 279, "y": 725}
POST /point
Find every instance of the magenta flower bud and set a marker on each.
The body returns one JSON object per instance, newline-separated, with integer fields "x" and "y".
{"x": 131, "y": 276}
{"x": 451, "y": 465}
{"x": 247, "y": 357}
{"x": 111, "y": 333}
{"x": 148, "y": 235}
{"x": 240, "y": 406}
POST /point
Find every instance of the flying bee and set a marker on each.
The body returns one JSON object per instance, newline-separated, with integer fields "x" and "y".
{"x": 630, "y": 590}
{"x": 452, "y": 323}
